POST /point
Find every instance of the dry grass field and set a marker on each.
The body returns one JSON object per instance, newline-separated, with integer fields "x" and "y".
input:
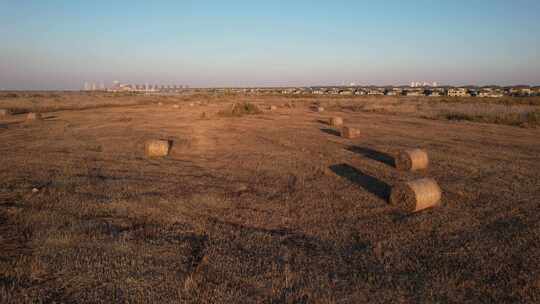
{"x": 272, "y": 207}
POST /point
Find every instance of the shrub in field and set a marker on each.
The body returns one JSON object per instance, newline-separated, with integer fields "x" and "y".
{"x": 240, "y": 109}
{"x": 10, "y": 95}
{"x": 532, "y": 119}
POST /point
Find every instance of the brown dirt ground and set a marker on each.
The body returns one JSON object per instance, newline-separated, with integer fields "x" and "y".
{"x": 269, "y": 208}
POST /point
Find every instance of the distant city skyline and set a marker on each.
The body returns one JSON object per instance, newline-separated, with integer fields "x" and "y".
{"x": 61, "y": 44}
{"x": 116, "y": 84}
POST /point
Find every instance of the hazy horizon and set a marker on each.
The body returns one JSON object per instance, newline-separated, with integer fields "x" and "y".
{"x": 62, "y": 44}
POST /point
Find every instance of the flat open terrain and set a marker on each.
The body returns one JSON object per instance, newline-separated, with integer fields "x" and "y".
{"x": 266, "y": 208}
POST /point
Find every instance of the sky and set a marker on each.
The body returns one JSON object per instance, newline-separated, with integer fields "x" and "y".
{"x": 59, "y": 44}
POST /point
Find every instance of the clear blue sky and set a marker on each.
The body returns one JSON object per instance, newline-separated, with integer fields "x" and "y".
{"x": 58, "y": 44}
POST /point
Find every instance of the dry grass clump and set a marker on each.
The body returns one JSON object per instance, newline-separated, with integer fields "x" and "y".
{"x": 416, "y": 195}
{"x": 240, "y": 109}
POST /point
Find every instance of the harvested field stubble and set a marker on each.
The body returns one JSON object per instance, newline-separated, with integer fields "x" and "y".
{"x": 255, "y": 210}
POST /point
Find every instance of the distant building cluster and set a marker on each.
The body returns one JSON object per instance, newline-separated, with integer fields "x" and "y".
{"x": 416, "y": 84}
{"x": 117, "y": 86}
{"x": 415, "y": 89}
{"x": 92, "y": 86}
{"x": 432, "y": 91}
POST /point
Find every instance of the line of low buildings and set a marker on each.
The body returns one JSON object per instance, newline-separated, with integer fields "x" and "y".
{"x": 441, "y": 91}
{"x": 486, "y": 92}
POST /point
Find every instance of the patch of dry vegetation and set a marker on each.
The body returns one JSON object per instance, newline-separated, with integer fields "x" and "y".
{"x": 512, "y": 111}
{"x": 21, "y": 103}
{"x": 257, "y": 211}
{"x": 524, "y": 119}
{"x": 240, "y": 109}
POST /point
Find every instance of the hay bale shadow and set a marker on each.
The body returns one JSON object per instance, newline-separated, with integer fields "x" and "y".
{"x": 369, "y": 183}
{"x": 324, "y": 122}
{"x": 331, "y": 131}
{"x": 374, "y": 155}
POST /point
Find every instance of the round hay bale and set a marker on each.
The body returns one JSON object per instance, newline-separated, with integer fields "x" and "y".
{"x": 349, "y": 133}
{"x": 273, "y": 108}
{"x": 4, "y": 112}
{"x": 176, "y": 106}
{"x": 33, "y": 116}
{"x": 416, "y": 195}
{"x": 160, "y": 104}
{"x": 157, "y": 148}
{"x": 320, "y": 109}
{"x": 336, "y": 121}
{"x": 411, "y": 160}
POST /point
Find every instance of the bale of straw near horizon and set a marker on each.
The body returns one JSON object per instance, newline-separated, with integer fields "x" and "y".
{"x": 336, "y": 121}
{"x": 320, "y": 109}
{"x": 176, "y": 106}
{"x": 4, "y": 112}
{"x": 349, "y": 132}
{"x": 416, "y": 195}
{"x": 33, "y": 116}
{"x": 273, "y": 108}
{"x": 157, "y": 148}
{"x": 411, "y": 160}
